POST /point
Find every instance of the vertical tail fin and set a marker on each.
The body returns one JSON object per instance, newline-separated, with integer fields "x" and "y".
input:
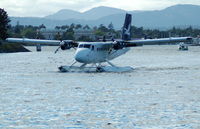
{"x": 126, "y": 30}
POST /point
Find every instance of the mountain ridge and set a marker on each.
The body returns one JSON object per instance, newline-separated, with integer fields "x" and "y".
{"x": 92, "y": 14}
{"x": 177, "y": 15}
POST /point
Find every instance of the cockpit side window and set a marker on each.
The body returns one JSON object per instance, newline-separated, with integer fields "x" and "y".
{"x": 84, "y": 45}
{"x": 81, "y": 46}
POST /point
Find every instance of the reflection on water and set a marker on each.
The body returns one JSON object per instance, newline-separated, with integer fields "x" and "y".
{"x": 161, "y": 92}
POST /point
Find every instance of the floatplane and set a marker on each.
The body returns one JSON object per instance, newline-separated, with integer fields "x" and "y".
{"x": 97, "y": 53}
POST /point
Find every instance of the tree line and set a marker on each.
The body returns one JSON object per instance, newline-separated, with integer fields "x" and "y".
{"x": 29, "y": 31}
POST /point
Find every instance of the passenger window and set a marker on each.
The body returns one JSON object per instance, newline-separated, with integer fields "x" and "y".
{"x": 86, "y": 46}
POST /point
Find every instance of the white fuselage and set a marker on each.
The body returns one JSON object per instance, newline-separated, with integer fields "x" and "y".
{"x": 97, "y": 52}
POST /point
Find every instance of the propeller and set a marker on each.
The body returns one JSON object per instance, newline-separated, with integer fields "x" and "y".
{"x": 57, "y": 49}
{"x": 122, "y": 44}
{"x": 67, "y": 44}
{"x": 59, "y": 37}
{"x": 118, "y": 45}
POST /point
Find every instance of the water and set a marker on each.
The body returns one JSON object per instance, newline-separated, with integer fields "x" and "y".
{"x": 162, "y": 91}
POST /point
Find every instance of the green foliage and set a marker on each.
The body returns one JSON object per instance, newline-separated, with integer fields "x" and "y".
{"x": 86, "y": 27}
{"x": 7, "y": 48}
{"x": 85, "y": 38}
{"x": 69, "y": 34}
{"x": 29, "y": 33}
{"x": 57, "y": 27}
{"x": 99, "y": 33}
{"x": 58, "y": 36}
{"x": 107, "y": 32}
{"x": 111, "y": 27}
{"x": 72, "y": 26}
{"x": 64, "y": 27}
{"x": 103, "y": 28}
{"x": 78, "y": 26}
{"x": 42, "y": 26}
{"x": 155, "y": 33}
{"x": 20, "y": 31}
{"x": 184, "y": 32}
{"x": 4, "y": 20}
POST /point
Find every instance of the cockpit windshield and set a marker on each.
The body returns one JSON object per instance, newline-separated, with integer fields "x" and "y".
{"x": 84, "y": 45}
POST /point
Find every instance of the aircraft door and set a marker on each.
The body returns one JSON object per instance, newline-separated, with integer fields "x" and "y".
{"x": 91, "y": 54}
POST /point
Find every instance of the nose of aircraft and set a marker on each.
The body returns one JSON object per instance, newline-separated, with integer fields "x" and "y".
{"x": 81, "y": 56}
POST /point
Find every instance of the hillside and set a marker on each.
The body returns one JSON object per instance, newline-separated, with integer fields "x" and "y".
{"x": 92, "y": 14}
{"x": 178, "y": 15}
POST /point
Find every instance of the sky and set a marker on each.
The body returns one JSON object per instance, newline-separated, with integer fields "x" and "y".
{"x": 41, "y": 8}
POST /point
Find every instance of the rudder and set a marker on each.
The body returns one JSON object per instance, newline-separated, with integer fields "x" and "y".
{"x": 126, "y": 30}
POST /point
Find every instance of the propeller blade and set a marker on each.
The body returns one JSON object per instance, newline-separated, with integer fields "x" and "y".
{"x": 57, "y": 50}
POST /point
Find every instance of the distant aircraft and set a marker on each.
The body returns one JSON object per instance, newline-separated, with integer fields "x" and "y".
{"x": 96, "y": 53}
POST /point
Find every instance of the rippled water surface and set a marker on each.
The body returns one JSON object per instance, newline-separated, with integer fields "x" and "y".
{"x": 163, "y": 91}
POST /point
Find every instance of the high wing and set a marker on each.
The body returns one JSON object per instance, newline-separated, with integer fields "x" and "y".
{"x": 33, "y": 41}
{"x": 64, "y": 45}
{"x": 159, "y": 41}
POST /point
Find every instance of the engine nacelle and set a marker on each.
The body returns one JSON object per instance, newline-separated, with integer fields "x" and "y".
{"x": 67, "y": 44}
{"x": 118, "y": 45}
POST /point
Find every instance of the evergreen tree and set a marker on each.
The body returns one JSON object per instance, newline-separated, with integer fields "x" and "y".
{"x": 103, "y": 28}
{"x": 4, "y": 20}
{"x": 64, "y": 27}
{"x": 78, "y": 26}
{"x": 86, "y": 27}
{"x": 69, "y": 34}
{"x": 57, "y": 27}
{"x": 111, "y": 27}
{"x": 42, "y": 26}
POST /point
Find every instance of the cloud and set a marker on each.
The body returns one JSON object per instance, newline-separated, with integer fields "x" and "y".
{"x": 41, "y": 8}
{"x": 145, "y": 4}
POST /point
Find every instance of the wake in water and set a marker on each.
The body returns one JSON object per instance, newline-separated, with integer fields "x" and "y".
{"x": 163, "y": 68}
